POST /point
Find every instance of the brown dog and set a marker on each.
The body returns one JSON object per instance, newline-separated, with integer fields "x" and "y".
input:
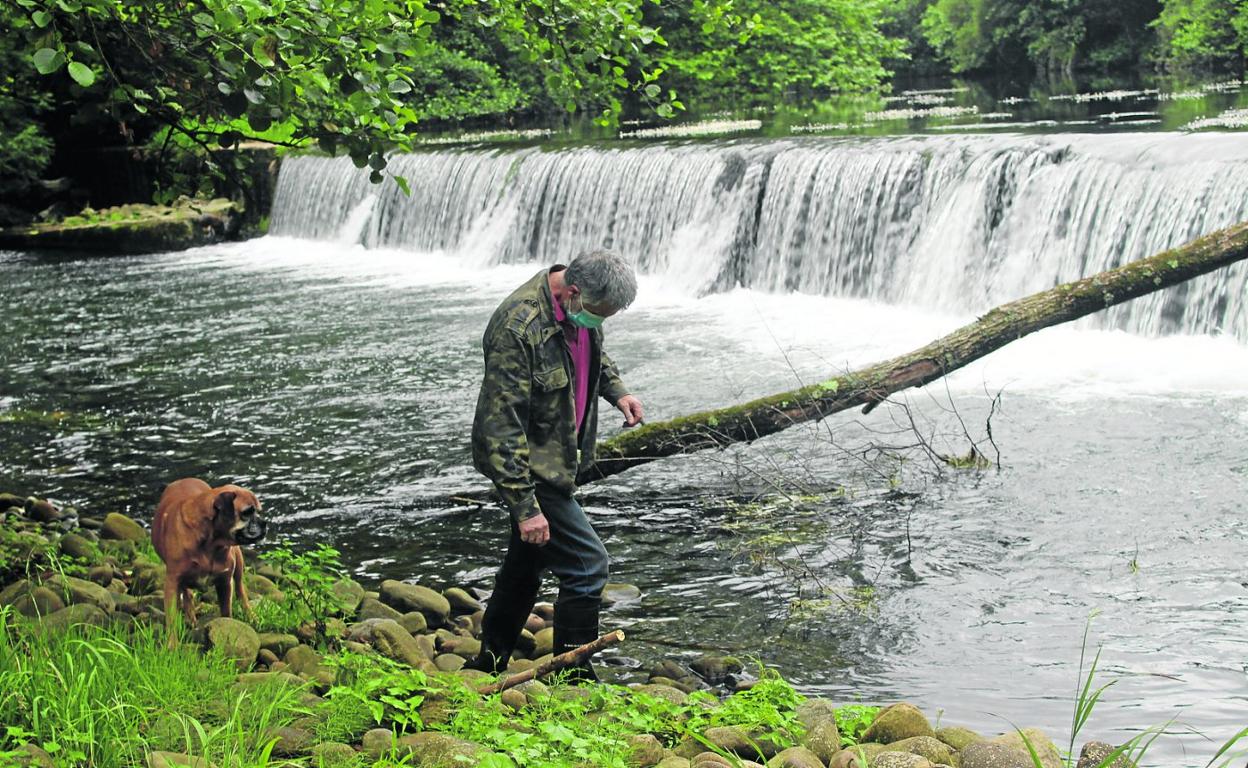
{"x": 196, "y": 531}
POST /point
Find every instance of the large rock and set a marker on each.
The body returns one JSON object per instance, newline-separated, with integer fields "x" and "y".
{"x": 644, "y": 751}
{"x": 378, "y": 742}
{"x": 461, "y": 601}
{"x": 897, "y": 722}
{"x": 291, "y": 741}
{"x": 892, "y": 759}
{"x": 543, "y": 642}
{"x": 729, "y": 738}
{"x": 665, "y": 692}
{"x": 857, "y": 756}
{"x": 413, "y": 621}
{"x": 413, "y": 597}
{"x": 375, "y": 609}
{"x": 278, "y": 642}
{"x": 1044, "y": 747}
{"x": 823, "y": 738}
{"x": 349, "y": 594}
{"x": 394, "y": 642}
{"x": 935, "y": 750}
{"x": 73, "y": 615}
{"x": 985, "y": 754}
{"x": 79, "y": 547}
{"x": 12, "y": 592}
{"x": 958, "y": 737}
{"x": 301, "y": 659}
{"x": 431, "y": 749}
{"x": 83, "y": 591}
{"x": 234, "y": 640}
{"x": 333, "y": 755}
{"x": 121, "y": 528}
{"x": 41, "y": 601}
{"x": 147, "y": 579}
{"x": 795, "y": 757}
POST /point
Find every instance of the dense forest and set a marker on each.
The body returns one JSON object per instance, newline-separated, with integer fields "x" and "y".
{"x": 361, "y": 77}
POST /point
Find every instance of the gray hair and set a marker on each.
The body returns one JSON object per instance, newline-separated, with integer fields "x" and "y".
{"x": 604, "y": 277}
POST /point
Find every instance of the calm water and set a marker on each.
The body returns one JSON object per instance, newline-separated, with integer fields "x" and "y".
{"x": 339, "y": 383}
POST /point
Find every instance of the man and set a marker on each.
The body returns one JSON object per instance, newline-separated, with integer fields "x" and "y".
{"x": 535, "y": 427}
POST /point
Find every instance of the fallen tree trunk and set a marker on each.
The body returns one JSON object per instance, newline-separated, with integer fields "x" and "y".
{"x": 872, "y": 385}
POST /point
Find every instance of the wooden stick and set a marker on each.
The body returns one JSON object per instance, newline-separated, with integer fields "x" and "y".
{"x": 568, "y": 659}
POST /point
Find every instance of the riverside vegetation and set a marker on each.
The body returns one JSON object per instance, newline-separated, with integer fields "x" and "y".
{"x": 328, "y": 673}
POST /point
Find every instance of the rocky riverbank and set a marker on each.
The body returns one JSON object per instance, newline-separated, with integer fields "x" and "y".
{"x": 353, "y": 676}
{"x": 134, "y": 228}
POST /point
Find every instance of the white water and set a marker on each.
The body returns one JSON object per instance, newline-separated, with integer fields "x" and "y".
{"x": 952, "y": 224}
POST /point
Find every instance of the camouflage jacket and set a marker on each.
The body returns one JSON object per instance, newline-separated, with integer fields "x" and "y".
{"x": 525, "y": 427}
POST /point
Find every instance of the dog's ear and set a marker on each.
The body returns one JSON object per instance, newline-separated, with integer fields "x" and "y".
{"x": 223, "y": 505}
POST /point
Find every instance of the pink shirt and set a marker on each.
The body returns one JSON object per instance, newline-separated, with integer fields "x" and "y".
{"x": 578, "y": 347}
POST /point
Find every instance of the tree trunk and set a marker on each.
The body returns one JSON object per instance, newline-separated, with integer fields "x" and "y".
{"x": 872, "y": 385}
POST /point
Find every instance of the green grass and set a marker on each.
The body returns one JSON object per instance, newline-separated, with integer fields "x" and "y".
{"x": 95, "y": 697}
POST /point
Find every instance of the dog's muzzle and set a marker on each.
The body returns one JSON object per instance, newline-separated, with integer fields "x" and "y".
{"x": 252, "y": 532}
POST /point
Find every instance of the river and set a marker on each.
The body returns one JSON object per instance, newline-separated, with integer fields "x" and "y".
{"x": 332, "y": 367}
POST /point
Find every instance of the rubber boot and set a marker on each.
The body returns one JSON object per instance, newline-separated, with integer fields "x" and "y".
{"x": 505, "y": 616}
{"x": 576, "y": 623}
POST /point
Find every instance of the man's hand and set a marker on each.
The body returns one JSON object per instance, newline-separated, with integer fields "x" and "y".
{"x": 631, "y": 408}
{"x": 535, "y": 530}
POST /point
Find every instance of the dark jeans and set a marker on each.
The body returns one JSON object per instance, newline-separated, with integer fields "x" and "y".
{"x": 578, "y": 559}
{"x": 574, "y": 554}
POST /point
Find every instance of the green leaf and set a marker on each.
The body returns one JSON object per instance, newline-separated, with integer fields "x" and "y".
{"x": 265, "y": 50}
{"x": 652, "y": 90}
{"x": 82, "y": 74}
{"x": 400, "y": 86}
{"x": 403, "y": 185}
{"x": 41, "y": 18}
{"x": 48, "y": 60}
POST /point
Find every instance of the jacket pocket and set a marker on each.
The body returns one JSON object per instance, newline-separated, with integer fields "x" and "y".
{"x": 551, "y": 379}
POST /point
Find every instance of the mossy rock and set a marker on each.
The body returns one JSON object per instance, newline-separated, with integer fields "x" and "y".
{"x": 394, "y": 642}
{"x": 259, "y": 679}
{"x": 897, "y": 722}
{"x": 852, "y": 757}
{"x": 349, "y": 594}
{"x": 893, "y": 759}
{"x": 121, "y": 550}
{"x": 985, "y": 754}
{"x": 449, "y": 662}
{"x": 461, "y": 602}
{"x": 147, "y": 579}
{"x": 291, "y": 741}
{"x": 1044, "y": 747}
{"x": 715, "y": 669}
{"x": 665, "y": 692}
{"x": 234, "y": 640}
{"x": 30, "y": 756}
{"x": 74, "y": 615}
{"x": 935, "y": 750}
{"x": 371, "y": 608}
{"x": 958, "y": 737}
{"x": 378, "y": 742}
{"x": 118, "y": 527}
{"x": 40, "y": 601}
{"x": 795, "y": 757}
{"x": 83, "y": 591}
{"x": 263, "y": 587}
{"x": 278, "y": 642}
{"x": 406, "y": 597}
{"x": 80, "y": 548}
{"x": 823, "y": 738}
{"x": 330, "y": 754}
{"x": 133, "y": 228}
{"x": 301, "y": 658}
{"x": 413, "y": 621}
{"x": 644, "y": 751}
{"x": 12, "y": 592}
{"x": 1095, "y": 753}
{"x": 41, "y": 510}
{"x": 431, "y": 749}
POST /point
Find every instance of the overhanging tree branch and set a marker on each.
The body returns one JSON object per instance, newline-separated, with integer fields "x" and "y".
{"x": 870, "y": 386}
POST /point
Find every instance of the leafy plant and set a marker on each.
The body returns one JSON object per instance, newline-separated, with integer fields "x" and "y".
{"x": 853, "y": 719}
{"x": 310, "y": 577}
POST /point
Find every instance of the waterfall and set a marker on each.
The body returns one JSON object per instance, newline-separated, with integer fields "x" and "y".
{"x": 959, "y": 223}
